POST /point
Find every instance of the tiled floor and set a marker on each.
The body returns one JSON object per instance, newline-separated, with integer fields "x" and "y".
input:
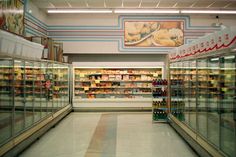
{"x": 110, "y": 135}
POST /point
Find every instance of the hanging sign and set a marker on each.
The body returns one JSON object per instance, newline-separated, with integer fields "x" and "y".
{"x": 223, "y": 39}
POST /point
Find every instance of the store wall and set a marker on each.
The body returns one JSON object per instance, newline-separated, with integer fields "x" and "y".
{"x": 35, "y": 20}
{"x": 118, "y": 60}
{"x": 96, "y": 33}
{"x": 104, "y": 33}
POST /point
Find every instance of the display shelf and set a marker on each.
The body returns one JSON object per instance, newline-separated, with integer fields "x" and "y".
{"x": 113, "y": 100}
{"x": 112, "y": 81}
{"x": 115, "y": 87}
{"x": 159, "y": 100}
{"x": 120, "y": 74}
{"x": 115, "y": 93}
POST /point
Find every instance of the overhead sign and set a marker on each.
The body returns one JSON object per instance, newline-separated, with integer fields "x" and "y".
{"x": 223, "y": 39}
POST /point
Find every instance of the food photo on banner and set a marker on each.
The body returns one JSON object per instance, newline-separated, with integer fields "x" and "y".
{"x": 154, "y": 33}
{"x": 12, "y": 16}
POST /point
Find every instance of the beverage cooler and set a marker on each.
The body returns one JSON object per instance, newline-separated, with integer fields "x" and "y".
{"x": 203, "y": 95}
{"x": 31, "y": 91}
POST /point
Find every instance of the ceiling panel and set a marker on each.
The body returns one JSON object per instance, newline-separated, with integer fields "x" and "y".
{"x": 219, "y": 4}
{"x": 184, "y": 4}
{"x": 167, "y": 4}
{"x": 43, "y": 4}
{"x": 77, "y": 3}
{"x": 58, "y": 3}
{"x": 131, "y": 3}
{"x": 95, "y": 3}
{"x": 232, "y": 5}
{"x": 203, "y": 4}
{"x": 113, "y": 3}
{"x": 149, "y": 3}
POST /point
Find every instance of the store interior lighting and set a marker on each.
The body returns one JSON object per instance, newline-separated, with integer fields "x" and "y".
{"x": 151, "y": 11}
{"x": 208, "y": 11}
{"x": 142, "y": 11}
{"x": 71, "y": 11}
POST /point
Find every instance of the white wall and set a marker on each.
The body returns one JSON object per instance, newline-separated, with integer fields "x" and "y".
{"x": 207, "y": 20}
{"x": 36, "y": 12}
{"x": 34, "y": 20}
{"x": 89, "y": 45}
{"x": 118, "y": 60}
{"x": 111, "y": 19}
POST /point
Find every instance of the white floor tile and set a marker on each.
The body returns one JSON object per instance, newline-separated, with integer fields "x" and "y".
{"x": 136, "y": 135}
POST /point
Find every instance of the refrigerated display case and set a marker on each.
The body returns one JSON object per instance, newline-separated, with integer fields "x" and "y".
{"x": 177, "y": 90}
{"x": 114, "y": 87}
{"x": 114, "y": 83}
{"x": 206, "y": 88}
{"x": 30, "y": 91}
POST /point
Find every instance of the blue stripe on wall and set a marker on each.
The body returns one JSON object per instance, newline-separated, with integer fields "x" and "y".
{"x": 65, "y": 36}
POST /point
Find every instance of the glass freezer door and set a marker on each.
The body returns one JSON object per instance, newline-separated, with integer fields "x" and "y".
{"x": 202, "y": 96}
{"x": 213, "y": 115}
{"x": 228, "y": 95}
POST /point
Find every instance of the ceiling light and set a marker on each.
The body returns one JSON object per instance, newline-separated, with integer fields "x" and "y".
{"x": 214, "y": 59}
{"x": 209, "y": 11}
{"x": 151, "y": 11}
{"x": 70, "y": 11}
{"x": 229, "y": 57}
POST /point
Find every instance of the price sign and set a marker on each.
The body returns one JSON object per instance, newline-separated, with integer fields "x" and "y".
{"x": 155, "y": 75}
{"x": 56, "y": 88}
{"x": 228, "y": 76}
{"x": 224, "y": 89}
{"x": 81, "y": 75}
{"x": 86, "y": 88}
{"x": 97, "y": 81}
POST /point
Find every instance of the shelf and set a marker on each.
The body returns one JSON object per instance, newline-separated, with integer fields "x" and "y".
{"x": 161, "y": 108}
{"x": 159, "y": 98}
{"x": 6, "y": 79}
{"x": 113, "y": 99}
{"x": 114, "y": 80}
{"x": 5, "y": 92}
{"x": 115, "y": 87}
{"x": 113, "y": 94}
{"x": 159, "y": 86}
{"x": 119, "y": 74}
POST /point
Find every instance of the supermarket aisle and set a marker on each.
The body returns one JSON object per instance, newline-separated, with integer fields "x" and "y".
{"x": 110, "y": 135}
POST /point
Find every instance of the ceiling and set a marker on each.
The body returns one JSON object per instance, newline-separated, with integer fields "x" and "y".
{"x": 193, "y": 4}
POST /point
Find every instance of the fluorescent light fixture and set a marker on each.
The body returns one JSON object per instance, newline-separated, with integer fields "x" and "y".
{"x": 208, "y": 11}
{"x": 233, "y": 50}
{"x": 229, "y": 57}
{"x": 71, "y": 11}
{"x": 150, "y": 11}
{"x": 214, "y": 59}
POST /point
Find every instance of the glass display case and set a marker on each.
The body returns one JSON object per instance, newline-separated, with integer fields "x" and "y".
{"x": 177, "y": 90}
{"x": 6, "y": 98}
{"x": 29, "y": 92}
{"x": 205, "y": 91}
{"x": 227, "y": 104}
{"x": 109, "y": 83}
